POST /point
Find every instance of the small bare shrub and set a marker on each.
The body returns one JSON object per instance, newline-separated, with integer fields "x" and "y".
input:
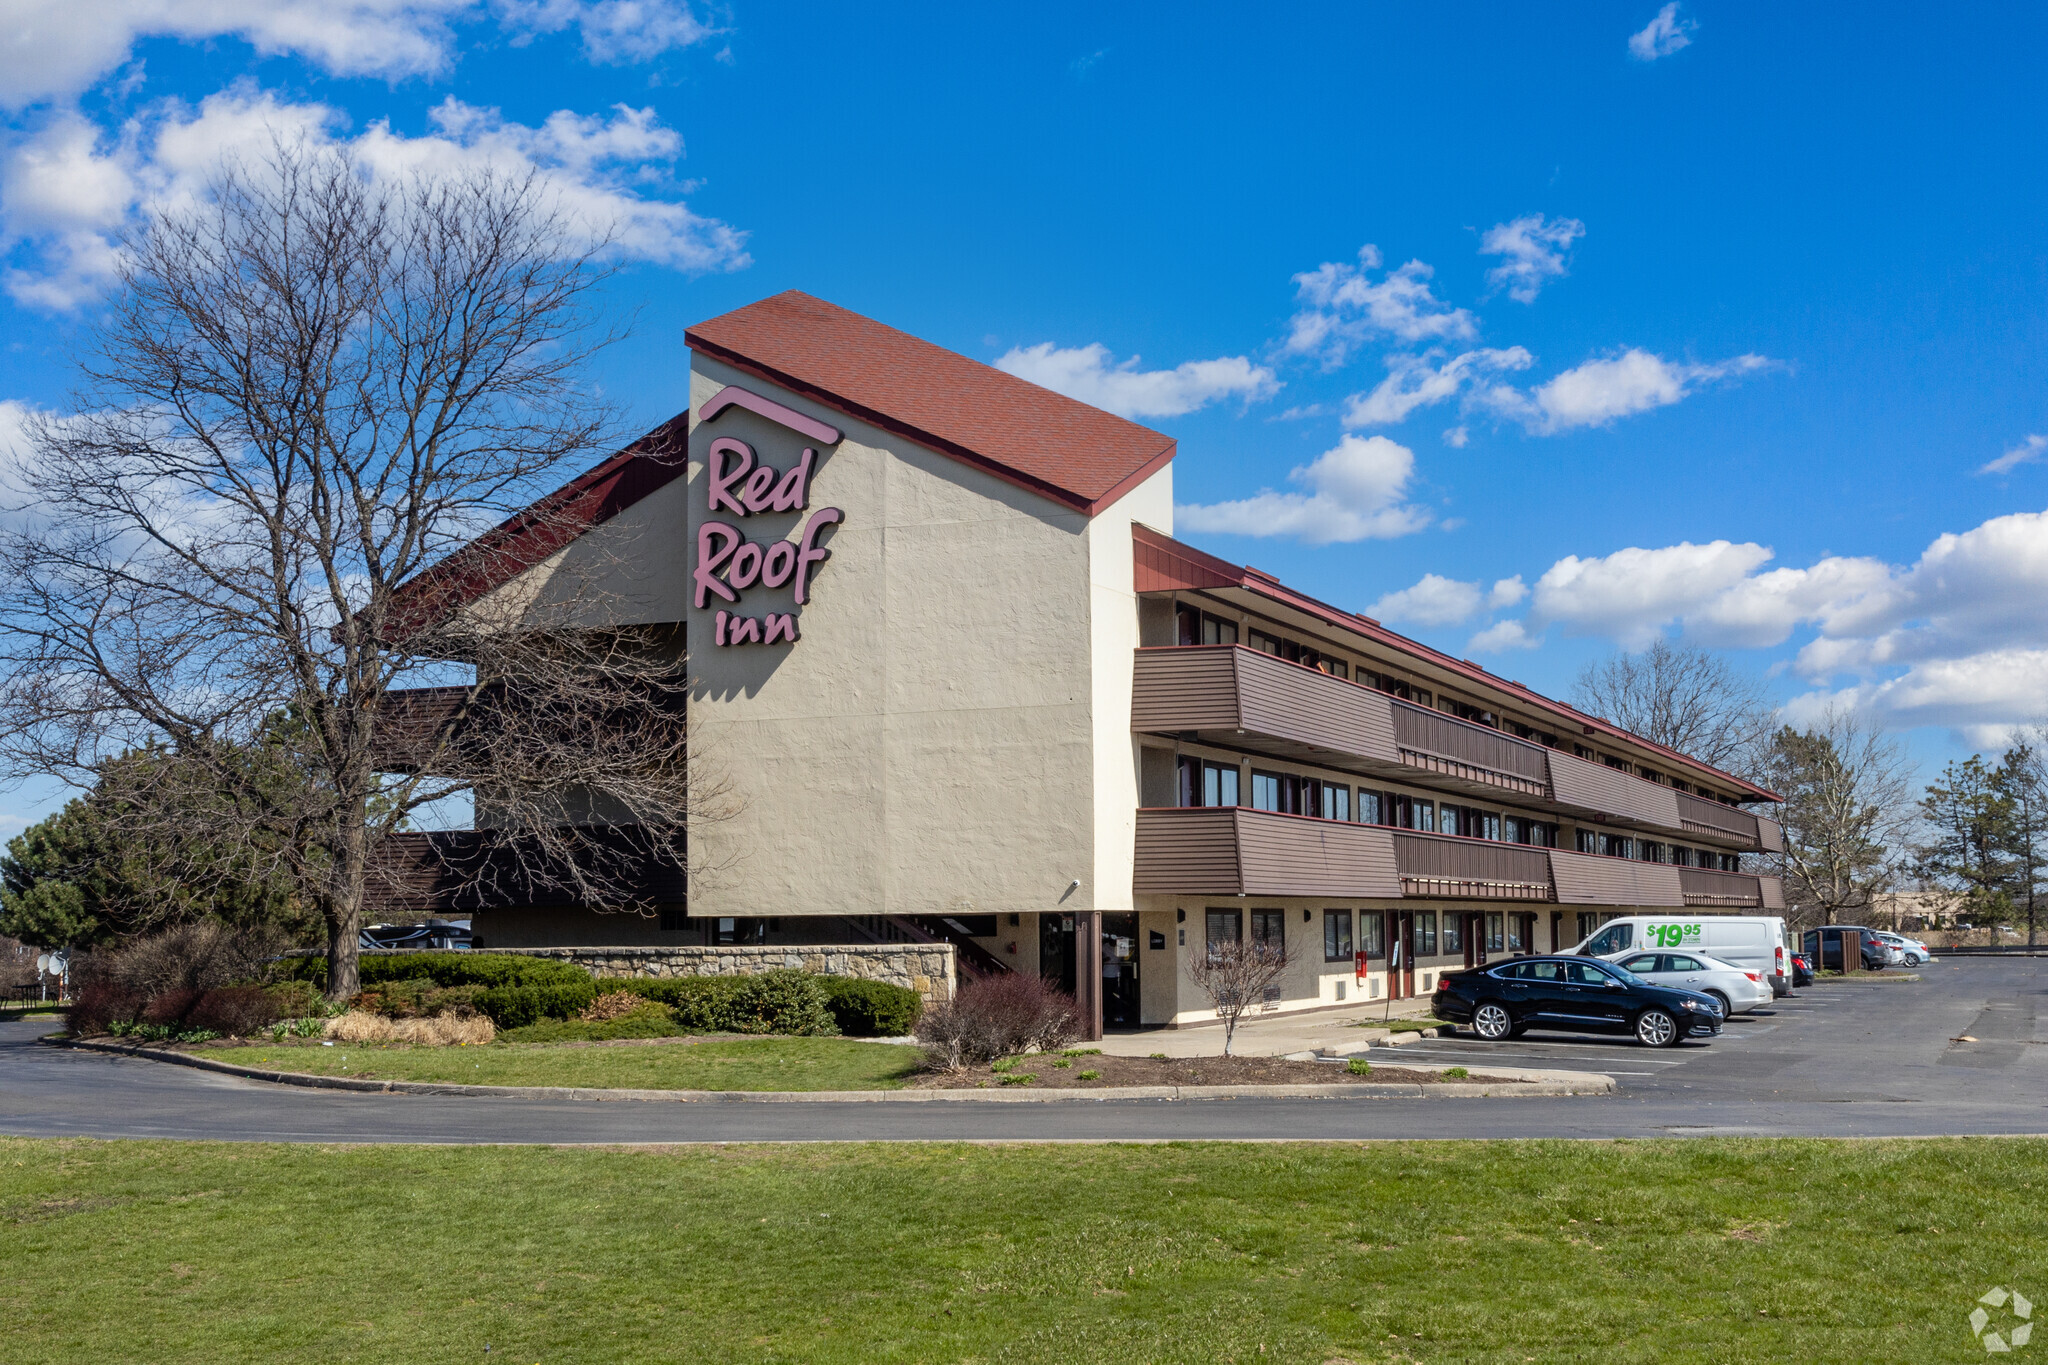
{"x": 188, "y": 957}
{"x": 101, "y": 1004}
{"x": 613, "y": 1005}
{"x": 996, "y": 1016}
{"x": 235, "y": 1011}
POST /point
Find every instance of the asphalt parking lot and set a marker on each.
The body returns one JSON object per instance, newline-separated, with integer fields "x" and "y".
{"x": 1839, "y": 1059}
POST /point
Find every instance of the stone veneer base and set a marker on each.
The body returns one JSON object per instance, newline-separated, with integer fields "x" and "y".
{"x": 926, "y": 968}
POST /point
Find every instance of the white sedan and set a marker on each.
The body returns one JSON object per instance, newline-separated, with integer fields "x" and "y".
{"x": 1912, "y": 951}
{"x": 1736, "y": 989}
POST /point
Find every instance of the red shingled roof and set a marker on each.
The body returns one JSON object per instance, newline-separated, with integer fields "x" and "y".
{"x": 1067, "y": 451}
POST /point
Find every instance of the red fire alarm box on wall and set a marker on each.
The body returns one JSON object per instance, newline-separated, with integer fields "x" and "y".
{"x": 1360, "y": 959}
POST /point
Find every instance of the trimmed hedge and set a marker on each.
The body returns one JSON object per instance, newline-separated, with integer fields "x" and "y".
{"x": 450, "y": 969}
{"x": 782, "y": 1001}
{"x": 871, "y": 1009}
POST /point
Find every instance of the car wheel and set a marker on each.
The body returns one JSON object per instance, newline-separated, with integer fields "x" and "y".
{"x": 1914, "y": 959}
{"x": 1490, "y": 1021}
{"x": 1727, "y": 1006}
{"x": 1655, "y": 1028}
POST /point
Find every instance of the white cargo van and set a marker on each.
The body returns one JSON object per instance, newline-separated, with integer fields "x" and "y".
{"x": 1754, "y": 942}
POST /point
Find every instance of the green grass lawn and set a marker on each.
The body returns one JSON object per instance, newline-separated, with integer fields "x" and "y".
{"x": 721, "y": 1064}
{"x": 1677, "y": 1251}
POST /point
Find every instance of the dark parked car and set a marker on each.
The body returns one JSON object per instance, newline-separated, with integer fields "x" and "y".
{"x": 1823, "y": 947}
{"x": 1578, "y": 994}
{"x": 1802, "y": 970}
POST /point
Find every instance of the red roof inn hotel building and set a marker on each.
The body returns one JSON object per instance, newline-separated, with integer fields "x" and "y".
{"x": 968, "y": 687}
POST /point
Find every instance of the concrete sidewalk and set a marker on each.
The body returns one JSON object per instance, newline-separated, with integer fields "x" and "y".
{"x": 1334, "y": 1031}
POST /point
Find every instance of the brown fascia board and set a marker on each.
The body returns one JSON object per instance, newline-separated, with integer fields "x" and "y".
{"x": 950, "y": 449}
{"x": 1263, "y": 584}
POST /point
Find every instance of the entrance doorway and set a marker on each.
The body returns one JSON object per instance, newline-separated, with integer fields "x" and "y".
{"x": 1120, "y": 1006}
{"x": 1400, "y": 954}
{"x": 1056, "y": 950}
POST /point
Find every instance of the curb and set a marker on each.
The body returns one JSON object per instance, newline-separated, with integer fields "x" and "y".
{"x": 1587, "y": 1084}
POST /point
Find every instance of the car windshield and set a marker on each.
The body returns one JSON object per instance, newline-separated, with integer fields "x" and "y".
{"x": 1628, "y": 977}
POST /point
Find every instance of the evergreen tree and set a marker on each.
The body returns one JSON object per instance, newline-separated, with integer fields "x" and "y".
{"x": 1968, "y": 814}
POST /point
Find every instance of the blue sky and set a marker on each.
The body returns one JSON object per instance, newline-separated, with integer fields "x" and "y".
{"x": 1533, "y": 330}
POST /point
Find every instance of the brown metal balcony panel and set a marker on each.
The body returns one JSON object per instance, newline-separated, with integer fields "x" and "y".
{"x": 1243, "y": 698}
{"x": 1773, "y": 890}
{"x": 1236, "y": 851}
{"x": 1185, "y": 689}
{"x": 1711, "y": 817}
{"x": 1770, "y": 835}
{"x": 1438, "y": 865}
{"x": 1708, "y": 887}
{"x": 1191, "y": 852}
{"x": 1586, "y": 879}
{"x": 1461, "y": 744}
{"x": 1596, "y": 787}
{"x": 408, "y": 722}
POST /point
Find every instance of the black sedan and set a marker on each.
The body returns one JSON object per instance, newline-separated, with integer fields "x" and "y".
{"x": 1578, "y": 994}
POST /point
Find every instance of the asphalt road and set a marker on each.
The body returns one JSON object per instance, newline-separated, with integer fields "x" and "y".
{"x": 1833, "y": 1061}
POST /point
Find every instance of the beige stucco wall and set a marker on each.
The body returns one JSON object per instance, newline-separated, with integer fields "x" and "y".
{"x": 930, "y": 744}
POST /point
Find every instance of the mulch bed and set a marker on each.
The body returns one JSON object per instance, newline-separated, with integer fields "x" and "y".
{"x": 1179, "y": 1071}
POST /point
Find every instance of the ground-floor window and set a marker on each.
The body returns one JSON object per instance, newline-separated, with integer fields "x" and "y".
{"x": 1372, "y": 933}
{"x": 1495, "y": 931}
{"x": 1224, "y": 926}
{"x": 1425, "y": 933}
{"x": 1454, "y": 932}
{"x": 1269, "y": 931}
{"x": 1589, "y": 920}
{"x": 1337, "y": 936}
{"x": 1517, "y": 942}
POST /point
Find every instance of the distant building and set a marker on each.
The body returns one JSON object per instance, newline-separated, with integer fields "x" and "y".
{"x": 970, "y": 687}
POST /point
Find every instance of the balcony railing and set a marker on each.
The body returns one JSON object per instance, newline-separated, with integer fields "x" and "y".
{"x": 1711, "y": 889}
{"x": 1702, "y": 816}
{"x": 1440, "y": 743}
{"x": 1438, "y": 865}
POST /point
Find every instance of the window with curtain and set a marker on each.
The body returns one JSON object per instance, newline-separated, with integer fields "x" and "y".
{"x": 1337, "y": 936}
{"x": 1372, "y": 933}
{"x": 1371, "y": 807}
{"x": 1496, "y": 932}
{"x": 1425, "y": 933}
{"x": 1454, "y": 932}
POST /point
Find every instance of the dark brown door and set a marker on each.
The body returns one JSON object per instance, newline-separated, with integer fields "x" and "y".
{"x": 1119, "y": 971}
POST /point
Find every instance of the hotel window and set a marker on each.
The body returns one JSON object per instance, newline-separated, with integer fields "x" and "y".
{"x": 1515, "y": 923}
{"x": 1618, "y": 764}
{"x": 1327, "y": 800}
{"x": 1681, "y": 856}
{"x": 1278, "y": 791}
{"x": 1372, "y": 933}
{"x": 1336, "y": 935}
{"x": 1269, "y": 931}
{"x": 1372, "y": 807}
{"x": 1495, "y": 930}
{"x": 1583, "y": 752}
{"x": 1203, "y": 783}
{"x": 1482, "y": 824}
{"x": 1588, "y": 841}
{"x": 1200, "y": 628}
{"x": 1650, "y": 851}
{"x": 1425, "y": 933}
{"x": 1517, "y": 829}
{"x": 1454, "y": 932}
{"x": 1679, "y": 786}
{"x": 1617, "y": 846}
{"x": 1449, "y": 820}
{"x": 1410, "y": 813}
{"x": 1224, "y": 926}
{"x": 1541, "y": 835}
{"x": 1730, "y": 863}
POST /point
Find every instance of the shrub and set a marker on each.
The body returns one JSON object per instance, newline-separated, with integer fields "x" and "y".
{"x": 297, "y": 999}
{"x": 1091, "y": 1075}
{"x": 1358, "y": 1066}
{"x": 616, "y": 1005}
{"x": 782, "y": 1001}
{"x": 101, "y": 1004}
{"x": 1456, "y": 1073}
{"x": 417, "y": 998}
{"x": 651, "y": 1020}
{"x": 871, "y": 1009}
{"x": 188, "y": 957}
{"x": 514, "y": 1006}
{"x": 995, "y": 1016}
{"x": 170, "y": 1007}
{"x": 235, "y": 1011}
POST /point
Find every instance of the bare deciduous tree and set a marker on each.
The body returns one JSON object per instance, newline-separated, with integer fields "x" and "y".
{"x": 1685, "y": 698}
{"x": 1847, "y": 787}
{"x": 313, "y": 389}
{"x": 1234, "y": 976}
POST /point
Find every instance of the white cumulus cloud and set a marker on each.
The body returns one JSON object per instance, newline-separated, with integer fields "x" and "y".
{"x": 1534, "y": 249}
{"x": 1433, "y": 601}
{"x": 54, "y": 49}
{"x": 1091, "y": 375}
{"x": 1354, "y": 492}
{"x": 2030, "y": 449}
{"x": 1420, "y": 381}
{"x": 1599, "y": 391}
{"x": 68, "y": 189}
{"x": 1662, "y": 36}
{"x": 1634, "y": 593}
{"x": 1502, "y": 636}
{"x": 1341, "y": 305}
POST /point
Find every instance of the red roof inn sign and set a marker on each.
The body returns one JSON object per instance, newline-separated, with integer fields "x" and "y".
{"x": 727, "y": 562}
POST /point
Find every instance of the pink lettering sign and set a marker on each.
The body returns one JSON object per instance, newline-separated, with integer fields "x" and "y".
{"x": 728, "y": 563}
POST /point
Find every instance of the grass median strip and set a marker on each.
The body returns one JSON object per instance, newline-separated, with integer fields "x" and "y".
{"x": 1482, "y": 1251}
{"x": 694, "y": 1064}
